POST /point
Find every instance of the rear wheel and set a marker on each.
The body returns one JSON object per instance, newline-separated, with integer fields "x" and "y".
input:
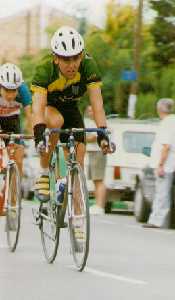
{"x": 78, "y": 216}
{"x": 13, "y": 212}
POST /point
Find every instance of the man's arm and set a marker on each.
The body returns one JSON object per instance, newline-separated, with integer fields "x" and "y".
{"x": 91, "y": 138}
{"x": 163, "y": 158}
{"x": 164, "y": 154}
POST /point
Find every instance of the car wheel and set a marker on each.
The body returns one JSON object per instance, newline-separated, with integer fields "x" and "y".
{"x": 108, "y": 207}
{"x": 141, "y": 207}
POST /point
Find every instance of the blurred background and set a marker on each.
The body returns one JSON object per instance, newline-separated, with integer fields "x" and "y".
{"x": 132, "y": 41}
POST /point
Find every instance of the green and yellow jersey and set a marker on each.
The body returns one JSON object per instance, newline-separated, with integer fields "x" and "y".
{"x": 49, "y": 80}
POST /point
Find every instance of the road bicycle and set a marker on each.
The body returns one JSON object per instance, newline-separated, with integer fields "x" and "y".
{"x": 50, "y": 216}
{"x": 10, "y": 187}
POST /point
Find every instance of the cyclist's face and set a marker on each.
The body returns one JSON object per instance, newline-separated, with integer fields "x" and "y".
{"x": 68, "y": 65}
{"x": 8, "y": 95}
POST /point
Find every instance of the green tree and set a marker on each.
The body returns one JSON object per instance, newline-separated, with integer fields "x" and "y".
{"x": 163, "y": 31}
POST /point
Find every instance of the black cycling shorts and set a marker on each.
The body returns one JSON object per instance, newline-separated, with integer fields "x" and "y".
{"x": 10, "y": 124}
{"x": 72, "y": 118}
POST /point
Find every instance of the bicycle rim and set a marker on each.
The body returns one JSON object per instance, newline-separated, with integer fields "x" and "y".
{"x": 78, "y": 217}
{"x": 50, "y": 230}
{"x": 13, "y": 210}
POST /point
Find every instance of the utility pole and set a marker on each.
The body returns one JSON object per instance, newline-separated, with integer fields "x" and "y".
{"x": 28, "y": 32}
{"x": 136, "y": 58}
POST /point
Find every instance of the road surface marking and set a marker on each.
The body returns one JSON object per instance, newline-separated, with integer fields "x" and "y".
{"x": 107, "y": 222}
{"x": 115, "y": 277}
{"x": 162, "y": 231}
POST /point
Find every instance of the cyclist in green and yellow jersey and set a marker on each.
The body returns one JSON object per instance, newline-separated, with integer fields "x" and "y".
{"x": 60, "y": 81}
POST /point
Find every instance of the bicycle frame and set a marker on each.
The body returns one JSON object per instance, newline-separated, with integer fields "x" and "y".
{"x": 9, "y": 154}
{"x": 50, "y": 216}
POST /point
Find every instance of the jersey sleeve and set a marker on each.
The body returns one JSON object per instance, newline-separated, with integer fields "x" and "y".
{"x": 92, "y": 74}
{"x": 40, "y": 80}
{"x": 24, "y": 94}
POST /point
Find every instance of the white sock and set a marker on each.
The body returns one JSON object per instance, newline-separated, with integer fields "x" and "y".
{"x": 44, "y": 171}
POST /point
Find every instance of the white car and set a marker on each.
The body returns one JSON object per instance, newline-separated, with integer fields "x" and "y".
{"x": 133, "y": 138}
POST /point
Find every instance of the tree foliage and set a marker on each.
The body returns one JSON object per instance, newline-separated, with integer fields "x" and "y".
{"x": 163, "y": 31}
{"x": 112, "y": 48}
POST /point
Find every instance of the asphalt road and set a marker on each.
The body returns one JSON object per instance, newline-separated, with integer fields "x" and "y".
{"x": 125, "y": 262}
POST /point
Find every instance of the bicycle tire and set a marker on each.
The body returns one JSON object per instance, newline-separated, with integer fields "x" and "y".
{"x": 13, "y": 209}
{"x": 53, "y": 213}
{"x": 76, "y": 178}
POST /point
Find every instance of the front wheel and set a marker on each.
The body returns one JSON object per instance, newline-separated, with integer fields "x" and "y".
{"x": 78, "y": 216}
{"x": 13, "y": 209}
{"x": 50, "y": 216}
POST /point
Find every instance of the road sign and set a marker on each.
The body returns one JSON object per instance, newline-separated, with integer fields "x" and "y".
{"x": 129, "y": 75}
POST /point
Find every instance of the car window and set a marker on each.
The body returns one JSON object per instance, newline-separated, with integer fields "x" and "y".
{"x": 134, "y": 142}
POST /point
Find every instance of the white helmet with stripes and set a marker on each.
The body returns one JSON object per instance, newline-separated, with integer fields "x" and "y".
{"x": 10, "y": 76}
{"x": 67, "y": 42}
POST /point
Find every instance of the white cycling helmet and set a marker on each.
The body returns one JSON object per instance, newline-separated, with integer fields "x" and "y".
{"x": 67, "y": 42}
{"x": 10, "y": 76}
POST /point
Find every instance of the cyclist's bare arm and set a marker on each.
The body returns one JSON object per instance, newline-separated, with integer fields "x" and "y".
{"x": 38, "y": 108}
{"x": 28, "y": 119}
{"x": 96, "y": 101}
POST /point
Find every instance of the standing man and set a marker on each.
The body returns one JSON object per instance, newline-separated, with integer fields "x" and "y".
{"x": 163, "y": 160}
{"x": 96, "y": 166}
{"x": 58, "y": 85}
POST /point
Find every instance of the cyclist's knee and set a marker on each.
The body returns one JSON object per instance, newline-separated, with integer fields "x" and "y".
{"x": 53, "y": 118}
{"x": 81, "y": 153}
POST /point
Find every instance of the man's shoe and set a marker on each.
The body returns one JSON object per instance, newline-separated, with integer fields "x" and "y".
{"x": 147, "y": 225}
{"x": 42, "y": 188}
{"x": 96, "y": 210}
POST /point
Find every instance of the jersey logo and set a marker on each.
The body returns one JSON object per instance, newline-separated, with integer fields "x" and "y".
{"x": 75, "y": 90}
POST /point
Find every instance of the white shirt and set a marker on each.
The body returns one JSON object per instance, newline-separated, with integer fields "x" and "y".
{"x": 89, "y": 123}
{"x": 164, "y": 136}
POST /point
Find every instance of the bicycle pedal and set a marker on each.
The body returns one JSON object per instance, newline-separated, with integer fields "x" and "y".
{"x": 63, "y": 225}
{"x": 36, "y": 216}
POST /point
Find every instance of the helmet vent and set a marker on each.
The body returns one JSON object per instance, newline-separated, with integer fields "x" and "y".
{"x": 60, "y": 33}
{"x": 73, "y": 43}
{"x": 71, "y": 32}
{"x": 14, "y": 77}
{"x": 8, "y": 76}
{"x": 64, "y": 46}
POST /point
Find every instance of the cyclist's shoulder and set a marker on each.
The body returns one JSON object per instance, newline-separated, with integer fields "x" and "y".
{"x": 24, "y": 95}
{"x": 44, "y": 71}
{"x": 45, "y": 63}
{"x": 88, "y": 61}
{"x": 90, "y": 69}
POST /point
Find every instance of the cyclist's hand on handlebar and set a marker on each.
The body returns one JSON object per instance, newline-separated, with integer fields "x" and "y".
{"x": 40, "y": 141}
{"x": 104, "y": 142}
{"x": 107, "y": 148}
{"x": 41, "y": 147}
